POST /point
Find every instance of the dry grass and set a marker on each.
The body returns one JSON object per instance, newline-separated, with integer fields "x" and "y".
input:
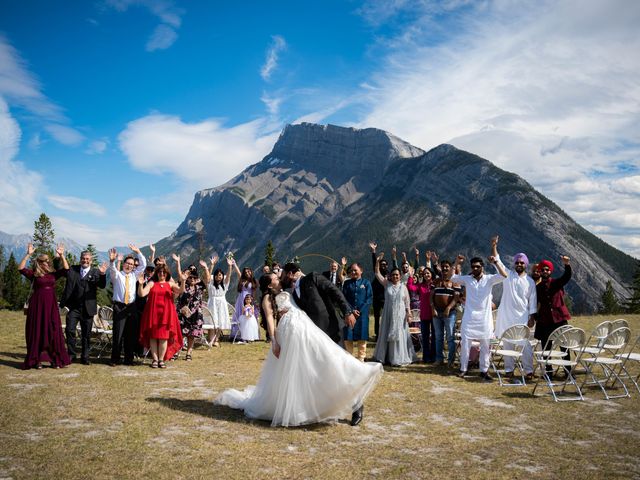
{"x": 102, "y": 422}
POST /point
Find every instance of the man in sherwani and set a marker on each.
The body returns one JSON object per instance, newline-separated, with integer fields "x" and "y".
{"x": 359, "y": 294}
{"x": 477, "y": 320}
{"x": 518, "y": 304}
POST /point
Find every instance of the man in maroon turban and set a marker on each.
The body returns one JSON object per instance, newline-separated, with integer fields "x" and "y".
{"x": 552, "y": 311}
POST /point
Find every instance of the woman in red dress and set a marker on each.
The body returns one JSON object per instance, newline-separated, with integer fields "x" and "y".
{"x": 43, "y": 330}
{"x": 160, "y": 328}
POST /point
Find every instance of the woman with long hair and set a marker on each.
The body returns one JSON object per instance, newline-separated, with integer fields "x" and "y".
{"x": 159, "y": 327}
{"x": 247, "y": 285}
{"x": 394, "y": 344}
{"x": 190, "y": 303}
{"x": 43, "y": 329}
{"x": 306, "y": 377}
{"x": 218, "y": 286}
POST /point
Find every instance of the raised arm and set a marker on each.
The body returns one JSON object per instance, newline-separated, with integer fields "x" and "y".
{"x": 152, "y": 256}
{"x": 231, "y": 263}
{"x": 178, "y": 289}
{"x": 142, "y": 262}
{"x": 60, "y": 253}
{"x": 143, "y": 290}
{"x": 176, "y": 258}
{"x": 376, "y": 267}
{"x": 499, "y": 265}
{"x": 27, "y": 256}
{"x": 207, "y": 273}
{"x": 341, "y": 269}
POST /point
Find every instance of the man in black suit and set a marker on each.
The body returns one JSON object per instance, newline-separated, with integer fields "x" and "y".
{"x": 318, "y": 297}
{"x": 335, "y": 273}
{"x": 79, "y": 296}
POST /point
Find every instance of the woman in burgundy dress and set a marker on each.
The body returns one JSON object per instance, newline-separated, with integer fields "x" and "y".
{"x": 43, "y": 330}
{"x": 160, "y": 328}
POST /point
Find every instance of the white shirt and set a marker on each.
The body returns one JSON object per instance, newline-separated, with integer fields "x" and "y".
{"x": 84, "y": 271}
{"x": 477, "y": 321}
{"x": 519, "y": 300}
{"x": 119, "y": 279}
{"x": 296, "y": 286}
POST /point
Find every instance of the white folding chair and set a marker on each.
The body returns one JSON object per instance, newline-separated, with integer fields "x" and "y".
{"x": 631, "y": 355}
{"x": 209, "y": 326}
{"x": 620, "y": 322}
{"x": 514, "y": 337}
{"x": 416, "y": 332}
{"x": 567, "y": 339}
{"x": 607, "y": 358}
{"x": 104, "y": 327}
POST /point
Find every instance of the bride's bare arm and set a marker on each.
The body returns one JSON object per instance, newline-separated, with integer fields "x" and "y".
{"x": 271, "y": 325}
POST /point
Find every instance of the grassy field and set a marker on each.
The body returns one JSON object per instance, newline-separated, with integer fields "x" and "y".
{"x": 421, "y": 422}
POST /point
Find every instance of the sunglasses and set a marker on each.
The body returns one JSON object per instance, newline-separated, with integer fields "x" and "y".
{"x": 475, "y": 267}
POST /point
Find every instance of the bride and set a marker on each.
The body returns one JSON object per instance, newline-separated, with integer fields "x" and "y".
{"x": 306, "y": 377}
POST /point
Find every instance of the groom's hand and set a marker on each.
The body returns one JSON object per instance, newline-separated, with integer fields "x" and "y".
{"x": 350, "y": 320}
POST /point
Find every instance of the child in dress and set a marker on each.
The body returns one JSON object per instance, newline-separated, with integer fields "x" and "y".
{"x": 249, "y": 330}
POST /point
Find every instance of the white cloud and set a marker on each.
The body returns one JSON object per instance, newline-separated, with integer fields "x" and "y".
{"x": 65, "y": 135}
{"x": 170, "y": 16}
{"x": 20, "y": 188}
{"x": 161, "y": 38}
{"x": 75, "y": 204}
{"x": 546, "y": 90}
{"x": 205, "y": 153}
{"x": 97, "y": 147}
{"x": 20, "y": 87}
{"x": 278, "y": 44}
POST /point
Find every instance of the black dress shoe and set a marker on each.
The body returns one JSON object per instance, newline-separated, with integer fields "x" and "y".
{"x": 85, "y": 361}
{"x": 356, "y": 418}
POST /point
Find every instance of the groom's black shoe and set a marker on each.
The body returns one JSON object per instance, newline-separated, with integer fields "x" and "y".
{"x": 356, "y": 418}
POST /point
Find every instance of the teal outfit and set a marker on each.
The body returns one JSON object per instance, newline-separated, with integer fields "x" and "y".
{"x": 359, "y": 294}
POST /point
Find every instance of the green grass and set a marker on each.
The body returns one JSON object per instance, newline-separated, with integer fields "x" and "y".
{"x": 420, "y": 422}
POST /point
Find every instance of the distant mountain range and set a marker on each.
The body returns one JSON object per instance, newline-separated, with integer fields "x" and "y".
{"x": 326, "y": 191}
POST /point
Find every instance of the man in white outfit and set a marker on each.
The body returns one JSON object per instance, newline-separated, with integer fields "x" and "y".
{"x": 518, "y": 305}
{"x": 477, "y": 321}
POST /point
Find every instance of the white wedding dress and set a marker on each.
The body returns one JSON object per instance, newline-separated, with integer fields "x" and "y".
{"x": 313, "y": 381}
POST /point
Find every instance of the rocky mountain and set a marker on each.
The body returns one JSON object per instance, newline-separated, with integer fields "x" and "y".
{"x": 329, "y": 190}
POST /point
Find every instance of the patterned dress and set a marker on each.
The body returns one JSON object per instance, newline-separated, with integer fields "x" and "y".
{"x": 192, "y": 298}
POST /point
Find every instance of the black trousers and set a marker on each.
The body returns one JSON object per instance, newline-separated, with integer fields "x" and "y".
{"x": 542, "y": 333}
{"x": 126, "y": 329}
{"x": 75, "y": 316}
{"x": 377, "y": 312}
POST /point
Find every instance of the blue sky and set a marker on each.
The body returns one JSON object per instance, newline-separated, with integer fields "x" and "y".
{"x": 114, "y": 113}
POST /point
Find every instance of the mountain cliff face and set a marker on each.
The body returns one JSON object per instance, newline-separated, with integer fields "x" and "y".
{"x": 330, "y": 190}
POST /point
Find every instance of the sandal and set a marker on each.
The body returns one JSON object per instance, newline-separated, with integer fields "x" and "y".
{"x": 188, "y": 357}
{"x": 161, "y": 364}
{"x": 154, "y": 364}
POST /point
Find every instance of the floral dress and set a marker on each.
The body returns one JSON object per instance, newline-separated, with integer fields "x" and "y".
{"x": 192, "y": 298}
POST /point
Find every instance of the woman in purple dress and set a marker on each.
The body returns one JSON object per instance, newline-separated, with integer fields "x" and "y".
{"x": 43, "y": 330}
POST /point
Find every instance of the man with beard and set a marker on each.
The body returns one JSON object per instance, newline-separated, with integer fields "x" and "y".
{"x": 477, "y": 320}
{"x": 552, "y": 311}
{"x": 517, "y": 306}
{"x": 378, "y": 288}
{"x": 318, "y": 298}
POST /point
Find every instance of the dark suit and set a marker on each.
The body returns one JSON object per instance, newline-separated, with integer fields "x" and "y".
{"x": 79, "y": 296}
{"x": 319, "y": 298}
{"x": 327, "y": 275}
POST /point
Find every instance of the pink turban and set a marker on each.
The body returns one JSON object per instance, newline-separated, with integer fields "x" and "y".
{"x": 521, "y": 257}
{"x": 545, "y": 263}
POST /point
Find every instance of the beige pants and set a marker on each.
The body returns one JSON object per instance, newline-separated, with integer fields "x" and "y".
{"x": 362, "y": 348}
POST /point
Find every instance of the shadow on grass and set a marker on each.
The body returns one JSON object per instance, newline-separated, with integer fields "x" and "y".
{"x": 207, "y": 408}
{"x": 15, "y": 360}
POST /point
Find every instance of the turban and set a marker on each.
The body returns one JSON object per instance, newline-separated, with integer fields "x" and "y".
{"x": 521, "y": 257}
{"x": 545, "y": 263}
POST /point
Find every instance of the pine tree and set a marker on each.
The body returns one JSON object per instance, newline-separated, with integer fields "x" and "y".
{"x": 609, "y": 300}
{"x": 2, "y": 262}
{"x": 43, "y": 236}
{"x": 94, "y": 255}
{"x": 633, "y": 303}
{"x": 269, "y": 254}
{"x": 14, "y": 289}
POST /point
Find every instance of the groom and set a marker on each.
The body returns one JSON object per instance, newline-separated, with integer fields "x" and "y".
{"x": 318, "y": 298}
